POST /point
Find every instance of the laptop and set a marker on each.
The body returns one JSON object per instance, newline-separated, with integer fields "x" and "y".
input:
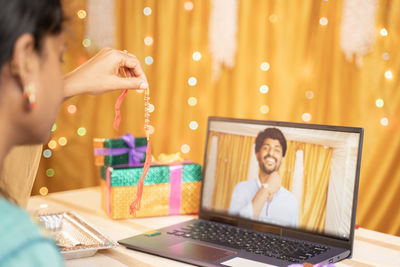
{"x": 273, "y": 193}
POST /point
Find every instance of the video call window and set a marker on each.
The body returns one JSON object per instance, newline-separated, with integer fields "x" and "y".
{"x": 314, "y": 172}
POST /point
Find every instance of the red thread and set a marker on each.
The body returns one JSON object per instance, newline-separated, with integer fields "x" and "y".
{"x": 117, "y": 118}
{"x": 135, "y": 205}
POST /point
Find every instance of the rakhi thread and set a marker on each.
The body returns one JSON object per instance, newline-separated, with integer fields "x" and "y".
{"x": 135, "y": 205}
{"x": 117, "y": 118}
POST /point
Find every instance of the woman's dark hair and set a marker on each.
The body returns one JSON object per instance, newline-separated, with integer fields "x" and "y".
{"x": 17, "y": 17}
{"x": 37, "y": 17}
{"x": 272, "y": 133}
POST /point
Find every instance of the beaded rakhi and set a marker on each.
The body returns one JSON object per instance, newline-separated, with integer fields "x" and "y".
{"x": 135, "y": 205}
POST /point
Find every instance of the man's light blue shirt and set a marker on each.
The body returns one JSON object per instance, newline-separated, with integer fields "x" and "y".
{"x": 282, "y": 210}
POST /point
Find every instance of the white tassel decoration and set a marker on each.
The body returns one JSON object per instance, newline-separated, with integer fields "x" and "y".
{"x": 100, "y": 23}
{"x": 223, "y": 34}
{"x": 357, "y": 35}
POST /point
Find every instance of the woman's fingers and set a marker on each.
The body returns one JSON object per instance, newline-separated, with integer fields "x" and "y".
{"x": 131, "y": 83}
{"x": 130, "y": 62}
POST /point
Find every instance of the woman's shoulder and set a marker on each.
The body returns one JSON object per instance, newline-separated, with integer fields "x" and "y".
{"x": 15, "y": 220}
{"x": 22, "y": 241}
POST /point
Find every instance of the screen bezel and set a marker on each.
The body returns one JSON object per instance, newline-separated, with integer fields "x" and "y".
{"x": 282, "y": 230}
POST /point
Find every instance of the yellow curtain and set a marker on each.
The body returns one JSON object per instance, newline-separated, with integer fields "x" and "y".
{"x": 317, "y": 163}
{"x": 303, "y": 56}
{"x": 234, "y": 152}
{"x": 287, "y": 169}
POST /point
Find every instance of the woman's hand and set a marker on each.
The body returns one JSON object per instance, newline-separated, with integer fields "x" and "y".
{"x": 101, "y": 74}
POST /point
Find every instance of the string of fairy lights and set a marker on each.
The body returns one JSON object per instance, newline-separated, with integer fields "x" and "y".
{"x": 379, "y": 102}
{"x": 265, "y": 66}
{"x": 192, "y": 82}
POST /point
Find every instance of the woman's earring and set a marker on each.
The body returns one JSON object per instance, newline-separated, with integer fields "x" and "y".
{"x": 29, "y": 96}
{"x": 29, "y": 89}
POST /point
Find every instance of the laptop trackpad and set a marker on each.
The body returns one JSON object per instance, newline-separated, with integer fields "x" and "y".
{"x": 199, "y": 251}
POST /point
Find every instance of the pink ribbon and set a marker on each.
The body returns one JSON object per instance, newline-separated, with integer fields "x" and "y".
{"x": 175, "y": 189}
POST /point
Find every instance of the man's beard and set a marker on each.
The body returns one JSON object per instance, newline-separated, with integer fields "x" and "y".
{"x": 264, "y": 168}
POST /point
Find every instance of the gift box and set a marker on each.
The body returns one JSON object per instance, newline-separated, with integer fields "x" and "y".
{"x": 168, "y": 189}
{"x": 119, "y": 151}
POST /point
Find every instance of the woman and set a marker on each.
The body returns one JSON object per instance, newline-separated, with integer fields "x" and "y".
{"x": 32, "y": 87}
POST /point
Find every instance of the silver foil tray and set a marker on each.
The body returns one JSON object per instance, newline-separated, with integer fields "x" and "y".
{"x": 74, "y": 236}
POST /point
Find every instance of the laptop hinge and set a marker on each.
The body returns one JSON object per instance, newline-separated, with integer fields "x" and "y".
{"x": 267, "y": 229}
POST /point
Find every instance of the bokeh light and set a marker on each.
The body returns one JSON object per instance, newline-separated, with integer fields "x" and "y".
{"x": 62, "y": 141}
{"x": 54, "y": 127}
{"x": 151, "y": 108}
{"x": 264, "y": 109}
{"x": 323, "y": 21}
{"x": 273, "y": 18}
{"x": 192, "y": 81}
{"x": 47, "y": 153}
{"x": 264, "y": 89}
{"x": 86, "y": 42}
{"x": 196, "y": 56}
{"x": 71, "y": 109}
{"x": 192, "y": 101}
{"x": 385, "y": 56}
{"x": 388, "y": 74}
{"x": 151, "y": 129}
{"x": 188, "y": 5}
{"x": 52, "y": 144}
{"x": 50, "y": 172}
{"x": 148, "y": 40}
{"x": 81, "y": 14}
{"x": 148, "y": 60}
{"x": 193, "y": 125}
{"x": 81, "y": 131}
{"x": 264, "y": 66}
{"x": 43, "y": 191}
{"x": 385, "y": 121}
{"x": 383, "y": 32}
{"x": 147, "y": 11}
{"x": 309, "y": 94}
{"x": 379, "y": 102}
{"x": 185, "y": 149}
{"x": 306, "y": 117}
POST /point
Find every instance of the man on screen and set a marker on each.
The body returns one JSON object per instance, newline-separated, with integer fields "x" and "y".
{"x": 264, "y": 198}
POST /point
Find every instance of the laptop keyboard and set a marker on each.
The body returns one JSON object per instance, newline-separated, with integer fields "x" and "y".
{"x": 258, "y": 243}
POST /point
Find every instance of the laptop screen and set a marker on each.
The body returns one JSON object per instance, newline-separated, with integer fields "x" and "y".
{"x": 300, "y": 176}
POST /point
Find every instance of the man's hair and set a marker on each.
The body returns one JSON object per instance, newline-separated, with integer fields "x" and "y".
{"x": 272, "y": 133}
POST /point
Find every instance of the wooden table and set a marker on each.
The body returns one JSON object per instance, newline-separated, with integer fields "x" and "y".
{"x": 370, "y": 248}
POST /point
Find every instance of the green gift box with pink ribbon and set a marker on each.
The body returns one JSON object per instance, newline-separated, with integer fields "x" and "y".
{"x": 169, "y": 189}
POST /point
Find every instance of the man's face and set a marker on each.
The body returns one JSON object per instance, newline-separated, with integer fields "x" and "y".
{"x": 270, "y": 156}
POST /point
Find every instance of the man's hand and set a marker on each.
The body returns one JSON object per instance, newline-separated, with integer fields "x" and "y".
{"x": 274, "y": 184}
{"x": 266, "y": 193}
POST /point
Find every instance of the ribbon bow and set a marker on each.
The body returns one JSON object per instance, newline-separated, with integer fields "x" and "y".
{"x": 169, "y": 158}
{"x": 135, "y": 153}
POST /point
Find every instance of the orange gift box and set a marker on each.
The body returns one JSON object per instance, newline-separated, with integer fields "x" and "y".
{"x": 168, "y": 190}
